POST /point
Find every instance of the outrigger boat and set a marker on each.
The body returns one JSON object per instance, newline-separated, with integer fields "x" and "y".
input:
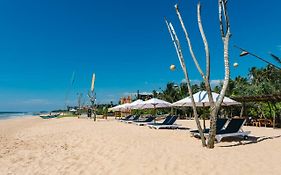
{"x": 48, "y": 116}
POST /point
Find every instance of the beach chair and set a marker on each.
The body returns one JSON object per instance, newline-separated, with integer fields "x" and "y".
{"x": 233, "y": 129}
{"x": 130, "y": 120}
{"x": 168, "y": 123}
{"x": 144, "y": 122}
{"x": 166, "y": 120}
{"x": 126, "y": 118}
{"x": 219, "y": 126}
{"x": 133, "y": 117}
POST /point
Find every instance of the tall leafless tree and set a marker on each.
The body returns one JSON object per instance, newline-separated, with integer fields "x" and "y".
{"x": 181, "y": 59}
{"x": 225, "y": 35}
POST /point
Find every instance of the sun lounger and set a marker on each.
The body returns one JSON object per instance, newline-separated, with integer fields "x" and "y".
{"x": 167, "y": 119}
{"x": 234, "y": 128}
{"x": 136, "y": 118}
{"x": 130, "y": 120}
{"x": 220, "y": 124}
{"x": 144, "y": 122}
{"x": 168, "y": 123}
{"x": 126, "y": 118}
{"x": 129, "y": 117}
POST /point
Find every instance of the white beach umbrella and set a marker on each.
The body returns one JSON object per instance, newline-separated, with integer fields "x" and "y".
{"x": 201, "y": 100}
{"x": 121, "y": 107}
{"x": 153, "y": 103}
{"x": 135, "y": 103}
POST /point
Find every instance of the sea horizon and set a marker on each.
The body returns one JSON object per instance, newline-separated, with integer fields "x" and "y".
{"x": 14, "y": 114}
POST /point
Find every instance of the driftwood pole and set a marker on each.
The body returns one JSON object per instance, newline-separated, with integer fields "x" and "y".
{"x": 92, "y": 97}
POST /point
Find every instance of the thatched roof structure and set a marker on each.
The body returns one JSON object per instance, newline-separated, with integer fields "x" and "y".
{"x": 259, "y": 98}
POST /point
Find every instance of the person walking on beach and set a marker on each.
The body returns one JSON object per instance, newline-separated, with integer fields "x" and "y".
{"x": 89, "y": 113}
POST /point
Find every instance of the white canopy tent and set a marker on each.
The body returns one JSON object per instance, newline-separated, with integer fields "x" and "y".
{"x": 201, "y": 100}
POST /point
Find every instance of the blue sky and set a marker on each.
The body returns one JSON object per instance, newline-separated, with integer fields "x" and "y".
{"x": 126, "y": 43}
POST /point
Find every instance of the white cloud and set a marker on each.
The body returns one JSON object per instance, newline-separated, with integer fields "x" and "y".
{"x": 212, "y": 82}
{"x": 191, "y": 81}
{"x": 183, "y": 80}
{"x": 134, "y": 94}
{"x": 195, "y": 81}
{"x": 216, "y": 82}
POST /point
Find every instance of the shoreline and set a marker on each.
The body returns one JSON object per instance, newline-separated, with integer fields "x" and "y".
{"x": 17, "y": 117}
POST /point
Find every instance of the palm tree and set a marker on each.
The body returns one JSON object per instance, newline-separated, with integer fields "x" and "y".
{"x": 195, "y": 88}
{"x": 202, "y": 86}
{"x": 240, "y": 86}
{"x": 183, "y": 90}
{"x": 171, "y": 93}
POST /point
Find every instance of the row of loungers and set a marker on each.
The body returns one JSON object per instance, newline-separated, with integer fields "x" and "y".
{"x": 168, "y": 123}
{"x": 226, "y": 128}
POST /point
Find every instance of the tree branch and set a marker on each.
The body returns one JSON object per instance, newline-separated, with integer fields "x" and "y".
{"x": 181, "y": 59}
{"x": 174, "y": 42}
{"x": 225, "y": 14}
{"x": 226, "y": 54}
{"x": 225, "y": 39}
{"x": 220, "y": 19}
{"x": 207, "y": 53}
{"x": 189, "y": 42}
{"x": 227, "y": 71}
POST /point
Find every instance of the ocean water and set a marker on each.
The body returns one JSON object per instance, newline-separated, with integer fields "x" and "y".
{"x": 9, "y": 115}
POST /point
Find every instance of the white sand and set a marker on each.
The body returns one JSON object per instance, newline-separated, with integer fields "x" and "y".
{"x": 82, "y": 146}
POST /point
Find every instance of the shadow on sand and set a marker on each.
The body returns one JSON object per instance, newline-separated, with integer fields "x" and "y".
{"x": 250, "y": 140}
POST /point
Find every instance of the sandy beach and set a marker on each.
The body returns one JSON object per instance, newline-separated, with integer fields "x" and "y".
{"x": 81, "y": 146}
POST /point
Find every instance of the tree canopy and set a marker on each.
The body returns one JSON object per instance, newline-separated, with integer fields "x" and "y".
{"x": 260, "y": 81}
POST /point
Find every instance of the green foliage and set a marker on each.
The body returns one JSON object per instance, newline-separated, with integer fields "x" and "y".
{"x": 67, "y": 115}
{"x": 102, "y": 109}
{"x": 260, "y": 81}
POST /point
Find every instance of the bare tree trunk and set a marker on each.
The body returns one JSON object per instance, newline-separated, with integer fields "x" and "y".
{"x": 242, "y": 110}
{"x": 225, "y": 39}
{"x": 189, "y": 42}
{"x": 213, "y": 112}
{"x": 207, "y": 53}
{"x": 181, "y": 58}
{"x": 225, "y": 34}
